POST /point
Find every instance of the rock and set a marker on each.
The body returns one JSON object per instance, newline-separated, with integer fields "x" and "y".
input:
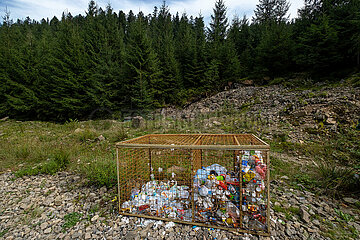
{"x": 130, "y": 235}
{"x": 102, "y": 190}
{"x": 43, "y": 225}
{"x": 137, "y": 122}
{"x": 87, "y": 235}
{"x": 355, "y": 225}
{"x": 216, "y": 123}
{"x": 4, "y": 119}
{"x": 94, "y": 218}
{"x": 285, "y": 177}
{"x": 78, "y": 130}
{"x": 350, "y": 200}
{"x": 247, "y": 82}
{"x": 170, "y": 225}
{"x": 100, "y": 138}
{"x": 299, "y": 114}
{"x": 47, "y": 231}
{"x": 305, "y": 216}
{"x": 330, "y": 121}
{"x": 316, "y": 222}
{"x": 58, "y": 201}
{"x": 319, "y": 115}
{"x": 76, "y": 235}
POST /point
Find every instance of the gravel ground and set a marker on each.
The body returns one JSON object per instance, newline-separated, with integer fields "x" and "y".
{"x": 62, "y": 206}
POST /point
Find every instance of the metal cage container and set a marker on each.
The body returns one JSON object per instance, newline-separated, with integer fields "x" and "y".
{"x": 212, "y": 180}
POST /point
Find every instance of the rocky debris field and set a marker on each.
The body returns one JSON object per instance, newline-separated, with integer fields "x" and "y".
{"x": 63, "y": 206}
{"x": 303, "y": 110}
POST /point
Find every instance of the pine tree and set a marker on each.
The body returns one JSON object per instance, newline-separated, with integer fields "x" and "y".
{"x": 318, "y": 48}
{"x": 240, "y": 36}
{"x": 164, "y": 45}
{"x": 219, "y": 23}
{"x": 271, "y": 11}
{"x": 107, "y": 74}
{"x": 223, "y": 55}
{"x": 145, "y": 84}
{"x": 16, "y": 86}
{"x": 274, "y": 52}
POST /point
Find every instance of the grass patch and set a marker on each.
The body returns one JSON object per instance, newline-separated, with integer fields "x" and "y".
{"x": 86, "y": 135}
{"x": 344, "y": 216}
{"x": 3, "y": 232}
{"x": 335, "y": 179}
{"x": 59, "y": 161}
{"x": 71, "y": 220}
{"x": 289, "y": 212}
{"x": 101, "y": 171}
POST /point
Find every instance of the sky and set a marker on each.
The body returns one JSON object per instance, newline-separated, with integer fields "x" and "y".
{"x": 38, "y": 9}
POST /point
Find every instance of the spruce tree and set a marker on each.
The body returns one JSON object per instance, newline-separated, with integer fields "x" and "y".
{"x": 144, "y": 76}
{"x": 271, "y": 11}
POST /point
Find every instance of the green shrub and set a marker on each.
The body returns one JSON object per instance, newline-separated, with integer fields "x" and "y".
{"x": 277, "y": 81}
{"x": 306, "y": 180}
{"x": 101, "y": 172}
{"x": 117, "y": 136}
{"x": 71, "y": 220}
{"x": 344, "y": 216}
{"x": 337, "y": 179}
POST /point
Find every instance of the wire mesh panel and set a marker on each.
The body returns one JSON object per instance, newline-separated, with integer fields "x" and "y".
{"x": 210, "y": 180}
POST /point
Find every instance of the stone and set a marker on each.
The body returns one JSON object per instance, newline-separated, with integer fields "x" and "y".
{"x": 47, "y": 231}
{"x": 355, "y": 225}
{"x": 94, "y": 218}
{"x": 138, "y": 122}
{"x": 305, "y": 216}
{"x": 330, "y": 121}
{"x": 76, "y": 235}
{"x": 285, "y": 177}
{"x": 78, "y": 130}
{"x": 130, "y": 235}
{"x": 58, "y": 201}
{"x": 350, "y": 200}
{"x": 299, "y": 114}
{"x": 43, "y": 226}
{"x": 319, "y": 115}
{"x": 316, "y": 222}
{"x": 4, "y": 119}
{"x": 216, "y": 123}
{"x": 247, "y": 82}
{"x": 87, "y": 235}
{"x": 100, "y": 138}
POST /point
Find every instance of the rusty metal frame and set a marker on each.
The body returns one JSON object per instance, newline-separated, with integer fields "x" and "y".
{"x": 194, "y": 143}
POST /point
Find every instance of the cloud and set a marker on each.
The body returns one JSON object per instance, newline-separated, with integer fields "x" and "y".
{"x": 39, "y": 9}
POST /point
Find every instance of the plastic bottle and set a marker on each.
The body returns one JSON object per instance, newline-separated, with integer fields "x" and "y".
{"x": 232, "y": 210}
{"x": 203, "y": 191}
{"x": 134, "y": 193}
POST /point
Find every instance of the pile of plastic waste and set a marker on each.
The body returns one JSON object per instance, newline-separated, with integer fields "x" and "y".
{"x": 216, "y": 195}
{"x": 162, "y": 199}
{"x": 254, "y": 206}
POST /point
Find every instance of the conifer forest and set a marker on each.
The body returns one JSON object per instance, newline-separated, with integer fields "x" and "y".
{"x": 61, "y": 69}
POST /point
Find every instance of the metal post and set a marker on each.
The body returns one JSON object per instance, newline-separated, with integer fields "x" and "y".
{"x": 118, "y": 174}
{"x": 240, "y": 189}
{"x": 268, "y": 191}
{"x": 192, "y": 187}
